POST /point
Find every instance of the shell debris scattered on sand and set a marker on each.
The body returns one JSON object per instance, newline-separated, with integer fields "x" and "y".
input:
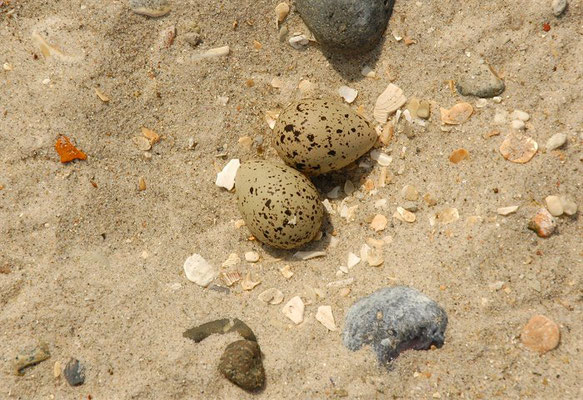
{"x": 294, "y": 310}
{"x": 226, "y": 178}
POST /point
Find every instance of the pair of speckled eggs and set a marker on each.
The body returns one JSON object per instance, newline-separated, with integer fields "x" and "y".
{"x": 279, "y": 204}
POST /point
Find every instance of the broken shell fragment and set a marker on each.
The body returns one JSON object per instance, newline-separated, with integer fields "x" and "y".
{"x": 456, "y": 115}
{"x": 230, "y": 278}
{"x": 294, "y": 310}
{"x": 271, "y": 296}
{"x": 226, "y": 178}
{"x": 458, "y": 155}
{"x": 379, "y": 223}
{"x": 247, "y": 283}
{"x": 388, "y": 102}
{"x": 518, "y": 148}
{"x": 326, "y": 318}
{"x": 281, "y": 11}
{"x": 347, "y": 93}
{"x": 216, "y": 52}
{"x": 307, "y": 255}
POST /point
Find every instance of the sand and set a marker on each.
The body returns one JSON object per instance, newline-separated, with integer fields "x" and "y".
{"x": 93, "y": 266}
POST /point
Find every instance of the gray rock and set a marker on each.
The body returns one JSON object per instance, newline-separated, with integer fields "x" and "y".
{"x": 393, "y": 320}
{"x": 559, "y": 7}
{"x": 480, "y": 82}
{"x": 346, "y": 26}
{"x": 74, "y": 372}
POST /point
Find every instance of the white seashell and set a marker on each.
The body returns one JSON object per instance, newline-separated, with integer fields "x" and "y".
{"x": 328, "y": 206}
{"x": 381, "y": 158}
{"x": 382, "y": 203}
{"x": 349, "y": 94}
{"x": 226, "y": 178}
{"x": 294, "y": 310}
{"x": 326, "y": 318}
{"x": 271, "y": 296}
{"x": 307, "y": 255}
{"x": 232, "y": 260}
{"x": 252, "y": 256}
{"x": 271, "y": 118}
{"x": 199, "y": 271}
{"x": 364, "y": 251}
{"x": 247, "y": 283}
{"x": 286, "y": 271}
{"x": 404, "y": 215}
{"x": 299, "y": 42}
{"x": 388, "y": 102}
{"x": 216, "y": 52}
{"x": 353, "y": 260}
{"x": 507, "y": 210}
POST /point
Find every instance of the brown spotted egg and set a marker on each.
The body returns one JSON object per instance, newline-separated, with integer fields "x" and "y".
{"x": 317, "y": 136}
{"x": 279, "y": 205}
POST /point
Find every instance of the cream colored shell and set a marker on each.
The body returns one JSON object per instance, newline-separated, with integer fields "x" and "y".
{"x": 280, "y": 206}
{"x": 317, "y": 136}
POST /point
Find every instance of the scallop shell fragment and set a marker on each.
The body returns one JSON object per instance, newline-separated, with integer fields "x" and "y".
{"x": 230, "y": 278}
{"x": 456, "y": 115}
{"x": 388, "y": 102}
{"x": 518, "y": 148}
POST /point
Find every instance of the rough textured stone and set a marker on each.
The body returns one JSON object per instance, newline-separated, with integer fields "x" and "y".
{"x": 543, "y": 223}
{"x": 74, "y": 372}
{"x": 540, "y": 334}
{"x": 346, "y": 26}
{"x": 480, "y": 82}
{"x": 558, "y": 7}
{"x": 150, "y": 8}
{"x": 241, "y": 364}
{"x": 393, "y": 320}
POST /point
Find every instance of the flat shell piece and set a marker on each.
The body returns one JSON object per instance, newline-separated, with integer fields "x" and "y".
{"x": 271, "y": 296}
{"x": 294, "y": 310}
{"x": 142, "y": 143}
{"x": 518, "y": 148}
{"x": 540, "y": 334}
{"x": 507, "y": 210}
{"x": 220, "y": 326}
{"x": 199, "y": 271}
{"x": 102, "y": 96}
{"x": 448, "y": 215}
{"x": 388, "y": 102}
{"x": 307, "y": 255}
{"x": 348, "y": 94}
{"x": 456, "y": 115}
{"x": 232, "y": 261}
{"x": 149, "y": 134}
{"x": 216, "y": 52}
{"x": 230, "y": 277}
{"x": 226, "y": 178}
{"x": 247, "y": 283}
{"x": 353, "y": 260}
{"x": 458, "y": 155}
{"x": 379, "y": 223}
{"x": 326, "y": 318}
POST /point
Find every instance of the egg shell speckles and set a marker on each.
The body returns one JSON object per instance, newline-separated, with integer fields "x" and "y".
{"x": 318, "y": 136}
{"x": 280, "y": 206}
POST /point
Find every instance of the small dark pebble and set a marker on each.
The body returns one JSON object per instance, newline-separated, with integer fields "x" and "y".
{"x": 74, "y": 372}
{"x": 241, "y": 364}
{"x": 393, "y": 320}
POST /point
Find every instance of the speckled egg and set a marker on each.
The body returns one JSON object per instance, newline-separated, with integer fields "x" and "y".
{"x": 318, "y": 136}
{"x": 279, "y": 205}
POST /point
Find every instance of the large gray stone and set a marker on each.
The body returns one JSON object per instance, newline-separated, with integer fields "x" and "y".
{"x": 346, "y": 26}
{"x": 393, "y": 320}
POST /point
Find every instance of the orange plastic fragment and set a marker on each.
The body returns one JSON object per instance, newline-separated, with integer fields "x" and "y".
{"x": 67, "y": 151}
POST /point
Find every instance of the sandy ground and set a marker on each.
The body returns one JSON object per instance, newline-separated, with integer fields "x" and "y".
{"x": 93, "y": 266}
